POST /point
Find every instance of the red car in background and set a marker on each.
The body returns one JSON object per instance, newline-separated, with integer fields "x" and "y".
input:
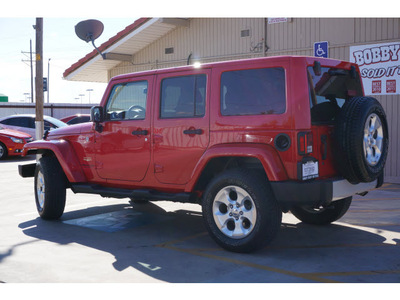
{"x": 76, "y": 119}
{"x": 12, "y": 142}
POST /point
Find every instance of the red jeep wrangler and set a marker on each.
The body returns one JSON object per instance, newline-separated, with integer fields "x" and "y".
{"x": 246, "y": 139}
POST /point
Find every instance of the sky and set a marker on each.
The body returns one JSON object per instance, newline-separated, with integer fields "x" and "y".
{"x": 60, "y": 45}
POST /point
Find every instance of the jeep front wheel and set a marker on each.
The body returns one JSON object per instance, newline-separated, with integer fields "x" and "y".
{"x": 50, "y": 188}
{"x": 324, "y": 215}
{"x": 240, "y": 211}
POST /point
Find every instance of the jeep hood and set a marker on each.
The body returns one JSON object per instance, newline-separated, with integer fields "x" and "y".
{"x": 70, "y": 130}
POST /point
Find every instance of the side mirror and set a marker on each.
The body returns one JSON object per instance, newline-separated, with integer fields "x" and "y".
{"x": 97, "y": 116}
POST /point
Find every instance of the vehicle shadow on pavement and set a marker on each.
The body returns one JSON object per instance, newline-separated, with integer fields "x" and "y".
{"x": 174, "y": 246}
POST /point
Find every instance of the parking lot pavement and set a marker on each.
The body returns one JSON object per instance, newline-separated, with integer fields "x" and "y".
{"x": 109, "y": 240}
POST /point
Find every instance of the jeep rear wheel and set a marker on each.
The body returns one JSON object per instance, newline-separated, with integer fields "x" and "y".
{"x": 361, "y": 135}
{"x": 240, "y": 211}
{"x": 324, "y": 215}
{"x": 50, "y": 188}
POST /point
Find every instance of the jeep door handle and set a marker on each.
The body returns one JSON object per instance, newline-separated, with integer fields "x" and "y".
{"x": 193, "y": 131}
{"x": 140, "y": 132}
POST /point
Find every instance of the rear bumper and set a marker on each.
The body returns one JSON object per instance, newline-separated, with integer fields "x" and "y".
{"x": 318, "y": 192}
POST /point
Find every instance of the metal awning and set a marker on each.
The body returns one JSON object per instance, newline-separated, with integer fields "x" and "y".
{"x": 121, "y": 47}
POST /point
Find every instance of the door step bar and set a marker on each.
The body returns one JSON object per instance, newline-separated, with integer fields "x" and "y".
{"x": 142, "y": 194}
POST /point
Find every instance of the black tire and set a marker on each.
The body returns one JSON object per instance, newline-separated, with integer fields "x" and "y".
{"x": 3, "y": 151}
{"x": 254, "y": 214}
{"x": 322, "y": 216}
{"x": 361, "y": 148}
{"x": 50, "y": 188}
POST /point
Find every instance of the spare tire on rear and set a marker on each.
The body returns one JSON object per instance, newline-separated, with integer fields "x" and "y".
{"x": 361, "y": 137}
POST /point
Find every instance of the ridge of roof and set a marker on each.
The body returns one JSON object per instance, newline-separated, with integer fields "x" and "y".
{"x": 128, "y": 29}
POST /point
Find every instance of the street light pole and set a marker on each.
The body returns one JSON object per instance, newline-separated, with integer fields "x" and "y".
{"x": 31, "y": 73}
{"x": 89, "y": 90}
{"x": 26, "y": 96}
{"x": 48, "y": 80}
{"x": 81, "y": 95}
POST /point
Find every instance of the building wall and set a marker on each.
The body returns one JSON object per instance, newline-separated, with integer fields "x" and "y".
{"x": 206, "y": 39}
{"x": 298, "y": 36}
{"x": 216, "y": 39}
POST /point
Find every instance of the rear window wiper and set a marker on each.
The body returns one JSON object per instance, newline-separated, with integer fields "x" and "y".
{"x": 337, "y": 72}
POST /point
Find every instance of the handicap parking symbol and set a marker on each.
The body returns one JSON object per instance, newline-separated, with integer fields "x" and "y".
{"x": 321, "y": 49}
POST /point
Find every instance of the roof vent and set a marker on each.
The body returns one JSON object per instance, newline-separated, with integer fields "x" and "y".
{"x": 169, "y": 50}
{"x": 245, "y": 33}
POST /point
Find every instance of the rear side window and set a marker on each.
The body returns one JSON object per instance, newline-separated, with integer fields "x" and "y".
{"x": 20, "y": 122}
{"x": 183, "y": 97}
{"x": 253, "y": 92}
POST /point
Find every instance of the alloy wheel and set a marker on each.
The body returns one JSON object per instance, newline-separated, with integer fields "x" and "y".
{"x": 234, "y": 212}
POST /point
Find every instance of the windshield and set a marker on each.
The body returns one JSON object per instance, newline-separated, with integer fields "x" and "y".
{"x": 329, "y": 91}
{"x": 55, "y": 121}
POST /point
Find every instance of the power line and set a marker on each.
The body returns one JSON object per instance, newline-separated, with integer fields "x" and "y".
{"x": 27, "y": 54}
{"x": 29, "y": 65}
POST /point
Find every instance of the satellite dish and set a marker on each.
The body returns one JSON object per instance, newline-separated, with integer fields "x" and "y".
{"x": 89, "y": 31}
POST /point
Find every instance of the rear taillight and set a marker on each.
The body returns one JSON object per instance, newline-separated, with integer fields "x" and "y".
{"x": 305, "y": 142}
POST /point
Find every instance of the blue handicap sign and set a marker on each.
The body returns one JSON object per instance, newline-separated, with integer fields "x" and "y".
{"x": 321, "y": 49}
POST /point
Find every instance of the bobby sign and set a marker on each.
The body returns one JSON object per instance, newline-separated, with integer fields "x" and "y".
{"x": 379, "y": 66}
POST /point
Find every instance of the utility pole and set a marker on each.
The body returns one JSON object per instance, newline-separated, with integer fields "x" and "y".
{"x": 39, "y": 78}
{"x": 30, "y": 65}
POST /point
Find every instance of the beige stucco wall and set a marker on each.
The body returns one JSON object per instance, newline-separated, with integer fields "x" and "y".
{"x": 207, "y": 39}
